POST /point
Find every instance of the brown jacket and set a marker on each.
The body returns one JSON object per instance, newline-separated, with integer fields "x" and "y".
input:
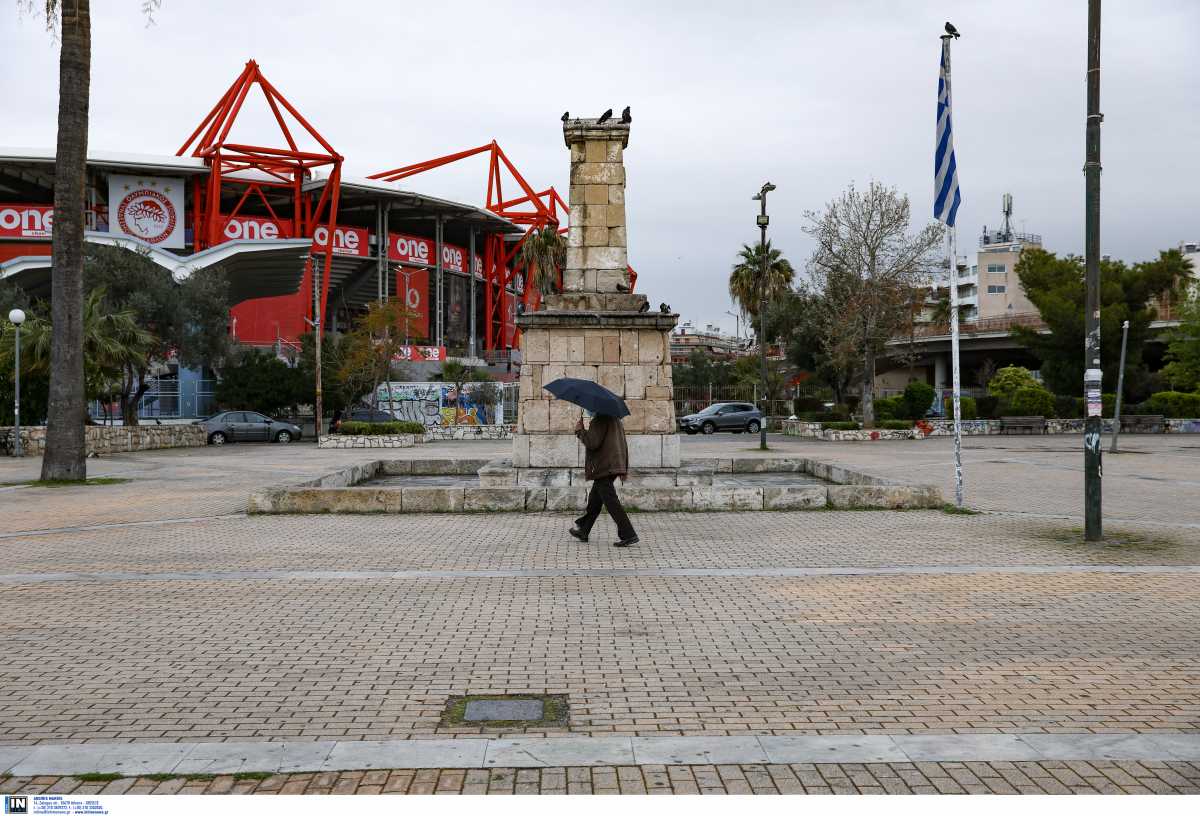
{"x": 607, "y": 453}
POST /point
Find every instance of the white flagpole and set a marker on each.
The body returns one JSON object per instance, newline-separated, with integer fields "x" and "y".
{"x": 952, "y": 252}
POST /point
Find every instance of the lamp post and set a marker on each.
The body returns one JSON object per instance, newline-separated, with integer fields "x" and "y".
{"x": 737, "y": 331}
{"x": 762, "y": 221}
{"x": 17, "y": 317}
{"x": 1120, "y": 387}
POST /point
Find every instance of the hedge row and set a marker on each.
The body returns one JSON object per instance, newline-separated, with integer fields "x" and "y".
{"x": 380, "y": 428}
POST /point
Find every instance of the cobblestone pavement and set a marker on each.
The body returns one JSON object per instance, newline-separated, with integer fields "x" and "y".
{"x": 348, "y": 651}
{"x": 876, "y": 778}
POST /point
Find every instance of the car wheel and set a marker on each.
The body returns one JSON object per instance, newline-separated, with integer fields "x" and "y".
{"x": 708, "y": 428}
{"x": 284, "y": 437}
{"x": 752, "y": 426}
{"x": 216, "y": 438}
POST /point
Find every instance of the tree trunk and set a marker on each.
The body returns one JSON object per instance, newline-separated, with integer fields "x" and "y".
{"x": 868, "y": 389}
{"x": 66, "y": 450}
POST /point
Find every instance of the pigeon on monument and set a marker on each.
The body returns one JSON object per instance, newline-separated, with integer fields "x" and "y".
{"x": 626, "y": 118}
{"x": 604, "y": 117}
{"x": 622, "y": 288}
{"x": 645, "y": 307}
{"x": 664, "y": 308}
{"x": 951, "y": 30}
{"x": 566, "y": 115}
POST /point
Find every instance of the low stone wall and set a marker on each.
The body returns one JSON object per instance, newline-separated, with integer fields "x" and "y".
{"x": 970, "y": 427}
{"x": 358, "y": 441}
{"x": 437, "y": 432}
{"x": 104, "y": 439}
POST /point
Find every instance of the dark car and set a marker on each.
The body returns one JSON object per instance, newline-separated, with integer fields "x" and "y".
{"x": 247, "y": 426}
{"x": 364, "y": 414}
{"x": 723, "y": 416}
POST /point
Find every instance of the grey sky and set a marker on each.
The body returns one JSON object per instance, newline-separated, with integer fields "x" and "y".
{"x": 724, "y": 96}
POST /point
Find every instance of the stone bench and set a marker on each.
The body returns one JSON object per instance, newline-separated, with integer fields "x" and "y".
{"x": 1143, "y": 423}
{"x": 1022, "y": 424}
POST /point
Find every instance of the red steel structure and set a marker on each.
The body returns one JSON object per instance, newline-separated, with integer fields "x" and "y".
{"x": 533, "y": 210}
{"x": 257, "y": 168}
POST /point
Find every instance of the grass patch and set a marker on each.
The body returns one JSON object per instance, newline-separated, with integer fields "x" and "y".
{"x": 98, "y": 777}
{"x": 955, "y": 510}
{"x": 99, "y": 480}
{"x": 159, "y": 777}
{"x": 200, "y": 777}
{"x": 258, "y": 775}
{"x": 1114, "y": 540}
{"x": 554, "y": 711}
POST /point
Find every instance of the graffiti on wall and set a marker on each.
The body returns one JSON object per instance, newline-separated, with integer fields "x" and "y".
{"x": 434, "y": 404}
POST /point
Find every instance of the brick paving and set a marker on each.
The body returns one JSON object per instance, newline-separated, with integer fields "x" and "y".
{"x": 218, "y": 658}
{"x": 873, "y": 778}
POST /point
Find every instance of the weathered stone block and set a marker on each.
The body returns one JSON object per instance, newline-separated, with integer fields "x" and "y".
{"x": 535, "y": 499}
{"x": 520, "y": 450}
{"x": 495, "y": 499}
{"x": 597, "y": 173}
{"x": 614, "y": 151}
{"x": 616, "y": 194}
{"x": 555, "y": 451}
{"x": 595, "y": 215}
{"x": 593, "y": 349}
{"x": 595, "y": 236}
{"x": 670, "y": 450}
{"x": 544, "y": 477}
{"x": 563, "y": 416}
{"x": 535, "y": 416}
{"x": 650, "y": 347}
{"x": 659, "y": 416}
{"x": 498, "y": 476}
{"x": 596, "y": 151}
{"x": 798, "y": 497}
{"x": 595, "y": 194}
{"x": 608, "y": 279}
{"x": 550, "y": 373}
{"x": 614, "y": 215}
{"x": 612, "y": 377}
{"x": 891, "y": 497}
{"x": 629, "y": 346}
{"x": 635, "y": 382}
{"x": 566, "y": 498}
{"x": 395, "y": 467}
{"x": 575, "y": 348}
{"x": 727, "y": 498}
{"x": 616, "y": 236}
{"x": 434, "y": 499}
{"x": 645, "y": 451}
{"x": 605, "y": 257}
{"x": 574, "y": 259}
{"x": 635, "y": 423}
{"x": 658, "y": 392}
{"x": 612, "y": 348}
{"x": 657, "y": 498}
{"x": 582, "y": 372}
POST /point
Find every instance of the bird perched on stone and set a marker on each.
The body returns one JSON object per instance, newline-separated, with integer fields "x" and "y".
{"x": 566, "y": 115}
{"x": 625, "y": 117}
{"x": 604, "y": 117}
{"x": 645, "y": 307}
{"x": 664, "y": 308}
{"x": 951, "y": 30}
{"x": 622, "y": 288}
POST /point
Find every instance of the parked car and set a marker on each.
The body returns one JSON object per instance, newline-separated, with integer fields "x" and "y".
{"x": 247, "y": 426}
{"x": 723, "y": 416}
{"x": 362, "y": 414}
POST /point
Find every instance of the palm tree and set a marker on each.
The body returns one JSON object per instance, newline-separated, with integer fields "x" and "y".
{"x": 745, "y": 281}
{"x": 543, "y": 253}
{"x": 65, "y": 458}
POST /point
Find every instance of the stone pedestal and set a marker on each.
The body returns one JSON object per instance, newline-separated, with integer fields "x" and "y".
{"x": 594, "y": 330}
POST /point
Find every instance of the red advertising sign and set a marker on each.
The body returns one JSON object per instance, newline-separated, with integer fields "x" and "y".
{"x": 416, "y": 281}
{"x": 410, "y": 249}
{"x": 253, "y": 228}
{"x": 25, "y": 221}
{"x": 421, "y": 354}
{"x": 346, "y": 240}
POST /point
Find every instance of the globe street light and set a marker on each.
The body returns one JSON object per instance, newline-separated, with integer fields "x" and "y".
{"x": 762, "y": 222}
{"x": 17, "y": 317}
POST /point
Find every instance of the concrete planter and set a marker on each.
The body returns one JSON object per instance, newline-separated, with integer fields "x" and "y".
{"x": 437, "y": 432}
{"x": 358, "y": 442}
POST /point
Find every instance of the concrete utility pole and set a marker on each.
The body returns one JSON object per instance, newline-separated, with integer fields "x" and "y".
{"x": 763, "y": 220}
{"x": 1093, "y": 375}
{"x": 1120, "y": 386}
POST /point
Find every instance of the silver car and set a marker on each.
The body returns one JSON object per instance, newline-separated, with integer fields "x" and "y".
{"x": 723, "y": 416}
{"x": 247, "y": 426}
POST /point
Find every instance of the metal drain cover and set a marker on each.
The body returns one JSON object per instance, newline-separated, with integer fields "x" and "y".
{"x": 505, "y": 710}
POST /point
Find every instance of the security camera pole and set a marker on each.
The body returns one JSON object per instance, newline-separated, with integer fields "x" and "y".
{"x": 763, "y": 220}
{"x": 1092, "y": 377}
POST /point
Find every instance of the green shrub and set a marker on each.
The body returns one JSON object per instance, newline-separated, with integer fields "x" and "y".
{"x": 380, "y": 428}
{"x": 1173, "y": 404}
{"x": 1032, "y": 401}
{"x": 889, "y": 407}
{"x": 802, "y": 405}
{"x": 966, "y": 405}
{"x": 986, "y": 407}
{"x": 918, "y": 399}
{"x": 1009, "y": 380}
{"x": 825, "y": 416}
{"x": 894, "y": 425}
{"x": 840, "y": 426}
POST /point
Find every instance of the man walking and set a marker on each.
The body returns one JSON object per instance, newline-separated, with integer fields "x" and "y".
{"x": 607, "y": 458}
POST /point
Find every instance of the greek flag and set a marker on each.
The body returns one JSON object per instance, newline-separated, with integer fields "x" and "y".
{"x": 945, "y": 174}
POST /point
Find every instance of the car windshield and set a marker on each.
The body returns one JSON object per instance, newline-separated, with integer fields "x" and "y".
{"x": 712, "y": 409}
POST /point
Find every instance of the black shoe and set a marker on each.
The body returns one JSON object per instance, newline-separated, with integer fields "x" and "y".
{"x": 626, "y": 542}
{"x": 577, "y": 533}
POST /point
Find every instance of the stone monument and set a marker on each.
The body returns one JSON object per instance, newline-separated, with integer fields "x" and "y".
{"x": 595, "y": 329}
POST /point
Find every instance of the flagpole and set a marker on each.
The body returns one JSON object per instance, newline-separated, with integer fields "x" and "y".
{"x": 955, "y": 380}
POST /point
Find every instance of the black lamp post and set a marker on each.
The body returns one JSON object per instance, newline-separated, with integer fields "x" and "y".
{"x": 762, "y": 221}
{"x": 17, "y": 317}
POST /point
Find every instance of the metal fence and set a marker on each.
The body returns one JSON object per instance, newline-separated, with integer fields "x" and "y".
{"x": 166, "y": 398}
{"x": 689, "y": 399}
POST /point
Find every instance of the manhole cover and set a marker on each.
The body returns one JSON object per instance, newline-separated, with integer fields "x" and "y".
{"x": 507, "y": 710}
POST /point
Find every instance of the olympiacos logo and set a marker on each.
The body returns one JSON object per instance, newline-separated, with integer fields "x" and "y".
{"x": 147, "y": 214}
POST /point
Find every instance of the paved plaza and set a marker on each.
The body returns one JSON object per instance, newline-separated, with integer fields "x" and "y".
{"x": 155, "y": 611}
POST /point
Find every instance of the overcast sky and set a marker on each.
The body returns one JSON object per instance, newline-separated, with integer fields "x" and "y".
{"x": 725, "y": 96}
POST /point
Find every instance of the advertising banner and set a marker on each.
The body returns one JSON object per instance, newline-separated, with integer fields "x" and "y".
{"x": 25, "y": 221}
{"x": 410, "y": 249}
{"x": 253, "y": 228}
{"x": 416, "y": 298}
{"x": 147, "y": 207}
{"x": 421, "y": 354}
{"x": 346, "y": 240}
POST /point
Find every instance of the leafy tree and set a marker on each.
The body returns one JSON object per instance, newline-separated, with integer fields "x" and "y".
{"x": 746, "y": 284}
{"x": 747, "y": 372}
{"x": 801, "y": 323}
{"x": 1032, "y": 401}
{"x": 336, "y": 396}
{"x": 1056, "y": 287}
{"x": 259, "y": 381}
{"x": 1008, "y": 380}
{"x": 188, "y": 319}
{"x": 865, "y": 267}
{"x": 369, "y": 352}
{"x": 701, "y": 370}
{"x": 544, "y": 253}
{"x": 918, "y": 399}
{"x": 1182, "y": 370}
{"x": 455, "y": 372}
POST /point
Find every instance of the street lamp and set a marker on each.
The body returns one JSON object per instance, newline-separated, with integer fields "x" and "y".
{"x": 17, "y": 317}
{"x": 762, "y": 222}
{"x": 737, "y": 332}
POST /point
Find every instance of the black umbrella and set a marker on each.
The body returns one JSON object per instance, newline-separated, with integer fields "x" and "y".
{"x": 588, "y": 395}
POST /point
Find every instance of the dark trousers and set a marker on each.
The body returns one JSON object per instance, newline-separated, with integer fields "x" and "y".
{"x": 604, "y": 495}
